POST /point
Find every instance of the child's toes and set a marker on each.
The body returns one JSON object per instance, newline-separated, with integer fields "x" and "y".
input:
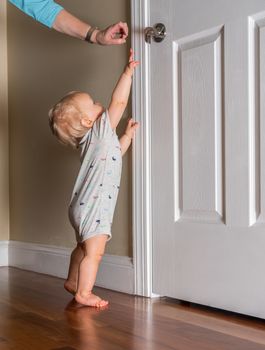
{"x": 103, "y": 303}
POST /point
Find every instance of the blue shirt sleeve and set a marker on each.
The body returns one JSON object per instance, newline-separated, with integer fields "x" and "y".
{"x": 43, "y": 11}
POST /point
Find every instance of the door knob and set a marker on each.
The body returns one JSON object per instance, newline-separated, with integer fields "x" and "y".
{"x": 157, "y": 32}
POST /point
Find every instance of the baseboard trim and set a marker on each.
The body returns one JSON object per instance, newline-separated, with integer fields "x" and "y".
{"x": 115, "y": 272}
{"x": 4, "y": 253}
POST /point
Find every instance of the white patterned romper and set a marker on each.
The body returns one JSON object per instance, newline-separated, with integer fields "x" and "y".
{"x": 97, "y": 185}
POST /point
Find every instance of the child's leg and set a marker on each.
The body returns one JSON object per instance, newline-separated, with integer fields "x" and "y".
{"x": 94, "y": 248}
{"x": 77, "y": 255}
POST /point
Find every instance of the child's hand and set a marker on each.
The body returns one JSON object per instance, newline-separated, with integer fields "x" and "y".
{"x": 131, "y": 127}
{"x": 131, "y": 64}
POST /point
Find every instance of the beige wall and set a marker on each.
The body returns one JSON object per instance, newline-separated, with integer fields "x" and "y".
{"x": 4, "y": 185}
{"x": 43, "y": 66}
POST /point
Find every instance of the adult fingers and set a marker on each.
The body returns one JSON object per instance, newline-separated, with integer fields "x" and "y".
{"x": 115, "y": 34}
{"x": 119, "y": 28}
{"x": 117, "y": 41}
{"x": 123, "y": 28}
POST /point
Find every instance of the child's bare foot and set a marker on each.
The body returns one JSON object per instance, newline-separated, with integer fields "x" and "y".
{"x": 70, "y": 286}
{"x": 90, "y": 300}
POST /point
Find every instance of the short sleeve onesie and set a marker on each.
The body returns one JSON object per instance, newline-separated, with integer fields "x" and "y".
{"x": 97, "y": 185}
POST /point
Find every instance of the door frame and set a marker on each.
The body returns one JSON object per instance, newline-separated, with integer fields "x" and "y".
{"x": 141, "y": 157}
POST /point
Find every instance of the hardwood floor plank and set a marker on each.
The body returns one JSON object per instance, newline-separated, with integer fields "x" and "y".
{"x": 37, "y": 314}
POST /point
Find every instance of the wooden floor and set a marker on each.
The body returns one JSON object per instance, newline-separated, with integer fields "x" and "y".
{"x": 36, "y": 313}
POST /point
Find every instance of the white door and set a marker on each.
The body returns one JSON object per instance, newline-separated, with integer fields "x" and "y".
{"x": 208, "y": 153}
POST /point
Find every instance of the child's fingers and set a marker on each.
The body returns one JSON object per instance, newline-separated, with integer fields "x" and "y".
{"x": 131, "y": 127}
{"x": 135, "y": 126}
{"x": 132, "y": 123}
{"x": 131, "y": 55}
{"x": 134, "y": 64}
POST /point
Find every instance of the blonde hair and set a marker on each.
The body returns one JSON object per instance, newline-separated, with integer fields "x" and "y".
{"x": 64, "y": 120}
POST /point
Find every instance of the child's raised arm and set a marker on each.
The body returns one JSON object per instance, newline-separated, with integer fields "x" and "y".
{"x": 121, "y": 93}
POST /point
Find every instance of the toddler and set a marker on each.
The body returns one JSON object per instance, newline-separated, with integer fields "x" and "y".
{"x": 78, "y": 121}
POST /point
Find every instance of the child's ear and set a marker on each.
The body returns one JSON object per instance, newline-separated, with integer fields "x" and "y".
{"x": 86, "y": 122}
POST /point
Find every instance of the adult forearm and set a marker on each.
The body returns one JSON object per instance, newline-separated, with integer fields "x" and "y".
{"x": 55, "y": 16}
{"x": 69, "y": 24}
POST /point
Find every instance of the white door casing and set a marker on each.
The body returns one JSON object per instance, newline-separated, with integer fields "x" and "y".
{"x": 141, "y": 162}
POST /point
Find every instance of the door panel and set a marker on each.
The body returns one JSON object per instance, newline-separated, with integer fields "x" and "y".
{"x": 207, "y": 88}
{"x": 197, "y": 86}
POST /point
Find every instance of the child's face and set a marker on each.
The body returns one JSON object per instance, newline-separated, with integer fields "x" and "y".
{"x": 92, "y": 109}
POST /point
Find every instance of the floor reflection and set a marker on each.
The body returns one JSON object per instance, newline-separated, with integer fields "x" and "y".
{"x": 84, "y": 325}
{"x": 98, "y": 329}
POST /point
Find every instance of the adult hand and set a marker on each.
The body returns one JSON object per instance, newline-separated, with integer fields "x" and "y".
{"x": 113, "y": 35}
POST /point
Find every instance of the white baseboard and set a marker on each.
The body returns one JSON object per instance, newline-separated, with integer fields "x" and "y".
{"x": 115, "y": 272}
{"x": 4, "y": 253}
